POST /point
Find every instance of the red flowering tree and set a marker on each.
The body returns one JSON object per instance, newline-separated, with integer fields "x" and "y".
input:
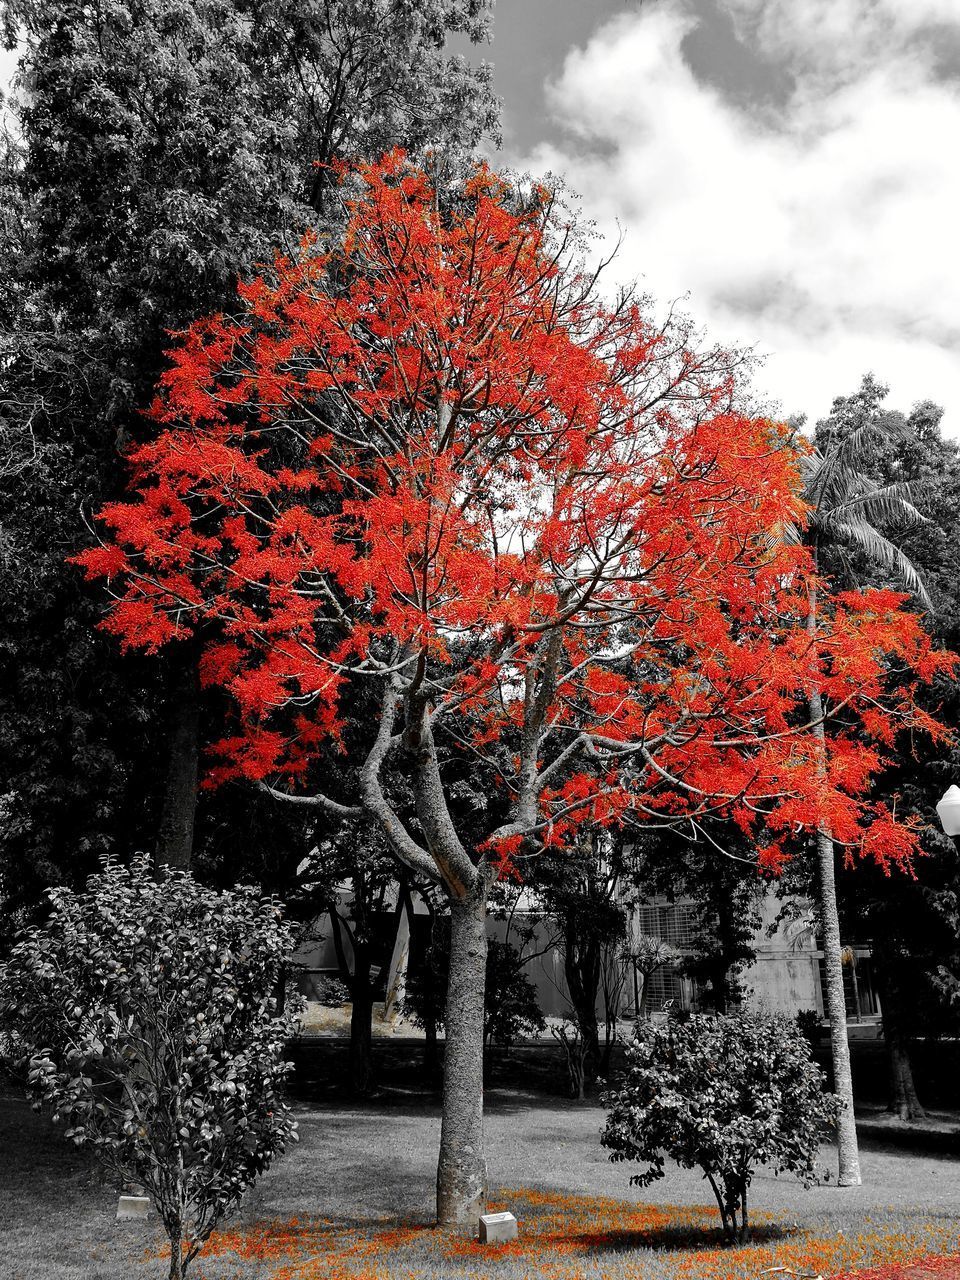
{"x": 429, "y": 468}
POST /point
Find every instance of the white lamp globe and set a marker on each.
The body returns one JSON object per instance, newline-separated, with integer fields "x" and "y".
{"x": 948, "y": 811}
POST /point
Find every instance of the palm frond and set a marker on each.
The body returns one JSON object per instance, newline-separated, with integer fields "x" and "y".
{"x": 891, "y": 504}
{"x": 860, "y": 533}
{"x": 786, "y": 533}
{"x": 841, "y": 467}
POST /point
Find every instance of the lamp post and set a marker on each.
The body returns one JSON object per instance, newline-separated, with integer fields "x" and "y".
{"x": 948, "y": 811}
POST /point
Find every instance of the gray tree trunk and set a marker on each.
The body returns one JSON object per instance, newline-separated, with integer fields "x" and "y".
{"x": 849, "y": 1155}
{"x": 462, "y": 1168}
{"x": 847, "y": 1146}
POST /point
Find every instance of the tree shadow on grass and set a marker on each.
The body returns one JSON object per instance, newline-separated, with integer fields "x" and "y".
{"x": 677, "y": 1237}
{"x": 36, "y": 1156}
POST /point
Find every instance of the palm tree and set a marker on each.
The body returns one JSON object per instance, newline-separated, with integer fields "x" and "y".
{"x": 846, "y": 507}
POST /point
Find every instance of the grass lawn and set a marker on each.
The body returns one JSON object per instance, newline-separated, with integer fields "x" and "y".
{"x": 353, "y": 1202}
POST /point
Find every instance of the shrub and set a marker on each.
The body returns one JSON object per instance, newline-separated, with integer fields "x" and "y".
{"x": 808, "y": 1021}
{"x": 511, "y": 1009}
{"x": 724, "y": 1094}
{"x": 146, "y": 1016}
{"x": 332, "y": 993}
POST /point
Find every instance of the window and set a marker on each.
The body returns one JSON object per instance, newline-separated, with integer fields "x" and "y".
{"x": 859, "y": 989}
{"x": 674, "y": 922}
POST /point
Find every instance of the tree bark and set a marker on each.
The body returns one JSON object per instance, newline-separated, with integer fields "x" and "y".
{"x": 905, "y": 1102}
{"x": 176, "y": 1255}
{"x": 462, "y": 1168}
{"x": 847, "y": 1146}
{"x": 175, "y": 837}
{"x": 848, "y": 1151}
{"x": 581, "y": 963}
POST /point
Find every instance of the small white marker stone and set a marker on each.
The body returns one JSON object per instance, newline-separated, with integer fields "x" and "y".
{"x": 133, "y": 1206}
{"x": 495, "y": 1228}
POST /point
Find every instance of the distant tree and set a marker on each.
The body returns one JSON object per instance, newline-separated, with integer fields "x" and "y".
{"x": 722, "y": 1094}
{"x": 425, "y": 994}
{"x": 716, "y": 875}
{"x": 512, "y": 1010}
{"x": 647, "y": 955}
{"x": 145, "y": 1013}
{"x": 353, "y": 874}
{"x": 848, "y": 508}
{"x": 584, "y": 895}
{"x": 911, "y": 922}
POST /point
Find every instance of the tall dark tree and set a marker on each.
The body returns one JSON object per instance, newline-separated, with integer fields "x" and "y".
{"x": 912, "y": 922}
{"x": 849, "y": 508}
{"x": 160, "y": 148}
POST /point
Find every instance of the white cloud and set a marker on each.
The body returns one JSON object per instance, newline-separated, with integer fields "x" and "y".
{"x": 829, "y": 36}
{"x": 823, "y": 231}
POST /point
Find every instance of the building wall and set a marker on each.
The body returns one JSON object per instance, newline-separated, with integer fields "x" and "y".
{"x": 784, "y": 978}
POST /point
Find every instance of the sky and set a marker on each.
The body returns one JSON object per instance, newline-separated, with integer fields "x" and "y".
{"x": 789, "y": 171}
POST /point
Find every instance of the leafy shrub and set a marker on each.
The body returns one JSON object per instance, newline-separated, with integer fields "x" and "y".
{"x": 332, "y": 993}
{"x": 724, "y": 1094}
{"x": 512, "y": 1008}
{"x": 146, "y": 1016}
{"x": 808, "y": 1021}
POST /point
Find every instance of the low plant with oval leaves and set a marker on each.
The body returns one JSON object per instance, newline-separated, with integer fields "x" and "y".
{"x": 145, "y": 1017}
{"x": 723, "y": 1094}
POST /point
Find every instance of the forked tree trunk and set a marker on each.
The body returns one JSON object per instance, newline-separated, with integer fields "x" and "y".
{"x": 462, "y": 1168}
{"x": 175, "y": 836}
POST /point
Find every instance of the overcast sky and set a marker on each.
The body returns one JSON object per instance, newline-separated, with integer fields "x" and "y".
{"x": 790, "y": 167}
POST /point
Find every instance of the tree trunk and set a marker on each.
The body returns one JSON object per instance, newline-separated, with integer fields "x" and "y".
{"x": 905, "y": 1102}
{"x": 175, "y": 837}
{"x": 462, "y": 1169}
{"x": 176, "y": 1255}
{"x": 847, "y": 1147}
{"x": 361, "y": 1023}
{"x": 849, "y": 1155}
{"x": 581, "y": 965}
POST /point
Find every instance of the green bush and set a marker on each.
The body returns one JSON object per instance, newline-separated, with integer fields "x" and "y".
{"x": 723, "y": 1094}
{"x": 145, "y": 1014}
